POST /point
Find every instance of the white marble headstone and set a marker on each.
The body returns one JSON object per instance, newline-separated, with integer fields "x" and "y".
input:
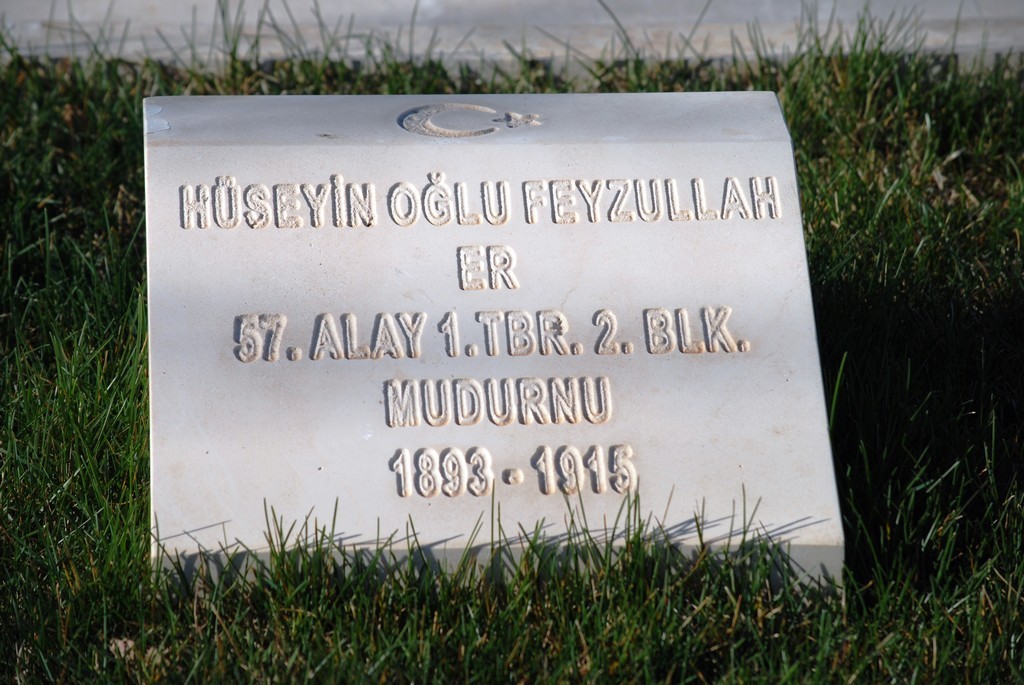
{"x": 442, "y": 313}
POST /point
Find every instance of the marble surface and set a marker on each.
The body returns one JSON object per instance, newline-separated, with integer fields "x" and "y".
{"x": 388, "y": 315}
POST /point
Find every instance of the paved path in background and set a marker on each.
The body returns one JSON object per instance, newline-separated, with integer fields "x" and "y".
{"x": 496, "y": 30}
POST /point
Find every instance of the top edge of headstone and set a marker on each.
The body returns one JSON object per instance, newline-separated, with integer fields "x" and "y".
{"x": 370, "y": 120}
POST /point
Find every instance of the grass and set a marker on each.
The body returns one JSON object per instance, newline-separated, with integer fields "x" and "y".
{"x": 913, "y": 201}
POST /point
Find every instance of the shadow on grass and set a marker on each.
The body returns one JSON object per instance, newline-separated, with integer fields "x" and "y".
{"x": 929, "y": 427}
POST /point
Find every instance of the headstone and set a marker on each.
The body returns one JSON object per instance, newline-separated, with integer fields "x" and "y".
{"x": 458, "y": 319}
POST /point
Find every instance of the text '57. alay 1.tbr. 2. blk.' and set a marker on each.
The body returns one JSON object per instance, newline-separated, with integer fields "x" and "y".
{"x": 398, "y": 314}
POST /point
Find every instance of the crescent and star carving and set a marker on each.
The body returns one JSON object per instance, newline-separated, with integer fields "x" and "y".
{"x": 419, "y": 120}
